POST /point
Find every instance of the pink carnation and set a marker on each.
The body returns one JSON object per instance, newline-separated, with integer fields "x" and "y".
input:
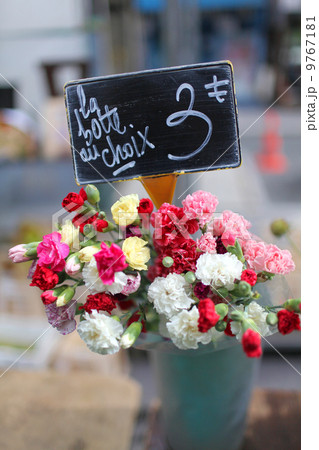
{"x": 200, "y": 205}
{"x": 207, "y": 243}
{"x": 228, "y": 238}
{"x": 233, "y": 223}
{"x": 254, "y": 254}
{"x": 109, "y": 260}
{"x": 51, "y": 252}
{"x": 278, "y": 261}
{"x": 217, "y": 226}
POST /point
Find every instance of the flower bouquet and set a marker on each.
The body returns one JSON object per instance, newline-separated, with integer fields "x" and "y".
{"x": 186, "y": 273}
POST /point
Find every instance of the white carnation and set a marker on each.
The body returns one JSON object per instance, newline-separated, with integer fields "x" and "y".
{"x": 183, "y": 330}
{"x": 170, "y": 294}
{"x": 120, "y": 280}
{"x": 94, "y": 283}
{"x": 101, "y": 333}
{"x": 218, "y": 270}
{"x": 257, "y": 314}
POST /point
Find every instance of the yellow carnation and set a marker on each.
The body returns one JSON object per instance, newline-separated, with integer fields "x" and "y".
{"x": 124, "y": 211}
{"x": 70, "y": 235}
{"x": 86, "y": 254}
{"x": 136, "y": 253}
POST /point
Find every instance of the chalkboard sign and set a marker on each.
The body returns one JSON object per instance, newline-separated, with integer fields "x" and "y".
{"x": 151, "y": 123}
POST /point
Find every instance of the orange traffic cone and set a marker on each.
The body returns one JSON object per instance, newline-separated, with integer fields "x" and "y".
{"x": 270, "y": 158}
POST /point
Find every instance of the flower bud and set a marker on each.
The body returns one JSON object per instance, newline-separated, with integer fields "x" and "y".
{"x": 190, "y": 277}
{"x": 221, "y": 325}
{"x": 89, "y": 230}
{"x": 131, "y": 334}
{"x": 167, "y": 261}
{"x": 272, "y": 319}
{"x": 23, "y": 252}
{"x": 93, "y": 194}
{"x": 248, "y": 323}
{"x": 279, "y": 227}
{"x": 244, "y": 288}
{"x": 73, "y": 265}
{"x": 102, "y": 215}
{"x": 222, "y": 310}
{"x": 292, "y": 304}
{"x": 66, "y": 296}
{"x": 237, "y": 315}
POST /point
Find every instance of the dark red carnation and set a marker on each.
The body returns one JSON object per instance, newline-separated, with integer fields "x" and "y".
{"x": 100, "y": 224}
{"x": 288, "y": 321}
{"x": 207, "y": 315}
{"x": 201, "y": 290}
{"x": 249, "y": 276}
{"x": 44, "y": 278}
{"x": 74, "y": 201}
{"x": 251, "y": 342}
{"x": 132, "y": 230}
{"x": 123, "y": 304}
{"x": 184, "y": 256}
{"x": 220, "y": 248}
{"x": 228, "y": 330}
{"x": 145, "y": 206}
{"x": 81, "y": 220}
{"x": 100, "y": 302}
{"x": 134, "y": 318}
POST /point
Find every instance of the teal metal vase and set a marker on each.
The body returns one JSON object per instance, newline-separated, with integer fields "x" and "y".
{"x": 205, "y": 395}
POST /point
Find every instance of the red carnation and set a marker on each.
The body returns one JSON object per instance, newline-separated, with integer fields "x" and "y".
{"x": 184, "y": 256}
{"x": 145, "y": 206}
{"x": 100, "y": 225}
{"x": 74, "y": 201}
{"x": 100, "y": 301}
{"x": 251, "y": 342}
{"x": 48, "y": 297}
{"x": 249, "y": 276}
{"x": 207, "y": 315}
{"x": 44, "y": 278}
{"x": 81, "y": 220}
{"x": 288, "y": 321}
{"x": 171, "y": 226}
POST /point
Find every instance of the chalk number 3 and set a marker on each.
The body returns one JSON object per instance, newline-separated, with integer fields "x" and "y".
{"x": 179, "y": 117}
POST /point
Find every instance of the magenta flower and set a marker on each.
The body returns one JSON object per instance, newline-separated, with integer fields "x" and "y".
{"x": 62, "y": 317}
{"x": 108, "y": 261}
{"x": 51, "y": 252}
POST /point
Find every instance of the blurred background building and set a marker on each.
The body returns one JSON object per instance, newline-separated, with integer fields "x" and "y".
{"x": 44, "y": 45}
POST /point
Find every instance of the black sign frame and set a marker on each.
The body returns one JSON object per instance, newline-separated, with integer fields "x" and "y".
{"x": 146, "y": 124}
